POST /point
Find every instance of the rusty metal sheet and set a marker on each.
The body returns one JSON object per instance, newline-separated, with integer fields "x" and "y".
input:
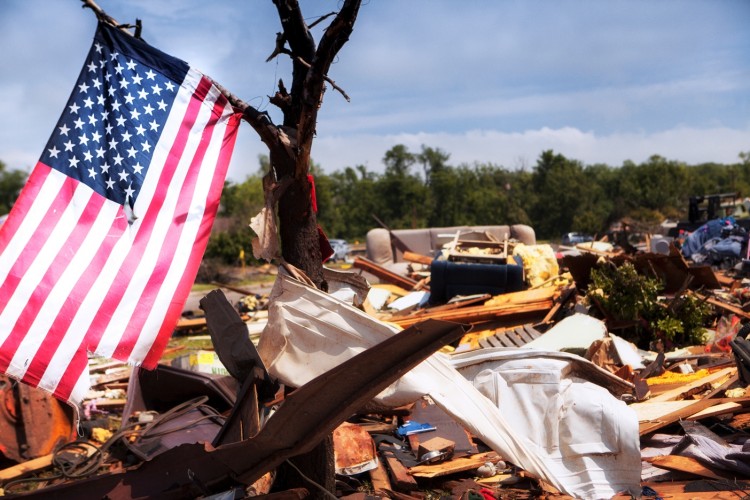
{"x": 307, "y": 415}
{"x": 32, "y": 423}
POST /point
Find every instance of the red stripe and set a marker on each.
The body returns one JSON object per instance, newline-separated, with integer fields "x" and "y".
{"x": 73, "y": 301}
{"x": 199, "y": 247}
{"x": 114, "y": 295}
{"x": 36, "y": 242}
{"x": 51, "y": 276}
{"x": 168, "y": 249}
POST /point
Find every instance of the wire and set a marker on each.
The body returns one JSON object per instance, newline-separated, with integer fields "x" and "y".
{"x": 325, "y": 491}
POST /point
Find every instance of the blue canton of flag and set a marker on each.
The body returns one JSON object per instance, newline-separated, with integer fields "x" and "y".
{"x": 113, "y": 119}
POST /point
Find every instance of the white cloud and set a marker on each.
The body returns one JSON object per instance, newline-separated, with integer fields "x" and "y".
{"x": 518, "y": 149}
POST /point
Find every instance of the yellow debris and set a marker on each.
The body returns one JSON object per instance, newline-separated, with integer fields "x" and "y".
{"x": 539, "y": 262}
{"x": 674, "y": 377}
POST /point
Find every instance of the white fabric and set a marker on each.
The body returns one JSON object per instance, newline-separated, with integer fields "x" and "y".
{"x": 309, "y": 333}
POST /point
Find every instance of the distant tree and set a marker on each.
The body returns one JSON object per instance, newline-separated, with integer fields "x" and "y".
{"x": 402, "y": 193}
{"x": 560, "y": 185}
{"x": 11, "y": 182}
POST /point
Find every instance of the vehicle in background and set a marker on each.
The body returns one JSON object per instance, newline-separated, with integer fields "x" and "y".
{"x": 340, "y": 250}
{"x": 570, "y": 239}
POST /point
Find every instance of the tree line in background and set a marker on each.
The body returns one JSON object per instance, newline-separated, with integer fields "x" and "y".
{"x": 555, "y": 196}
{"x": 422, "y": 189}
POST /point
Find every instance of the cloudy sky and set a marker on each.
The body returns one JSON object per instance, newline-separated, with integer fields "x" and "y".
{"x": 484, "y": 81}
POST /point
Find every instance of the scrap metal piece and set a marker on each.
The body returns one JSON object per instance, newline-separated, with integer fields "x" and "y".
{"x": 307, "y": 415}
{"x": 33, "y": 423}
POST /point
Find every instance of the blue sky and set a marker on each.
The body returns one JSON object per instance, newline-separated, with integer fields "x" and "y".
{"x": 484, "y": 81}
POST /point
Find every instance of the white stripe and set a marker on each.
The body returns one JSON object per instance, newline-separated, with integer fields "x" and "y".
{"x": 64, "y": 287}
{"x": 44, "y": 258}
{"x": 187, "y": 240}
{"x": 81, "y": 387}
{"x": 153, "y": 256}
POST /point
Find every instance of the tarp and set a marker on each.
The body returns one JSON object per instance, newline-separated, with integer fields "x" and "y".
{"x": 310, "y": 332}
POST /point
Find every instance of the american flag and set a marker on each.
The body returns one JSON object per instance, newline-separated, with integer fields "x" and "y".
{"x": 102, "y": 247}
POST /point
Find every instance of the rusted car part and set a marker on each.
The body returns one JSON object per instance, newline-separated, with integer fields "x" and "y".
{"x": 306, "y": 416}
{"x": 33, "y": 423}
{"x": 184, "y": 406}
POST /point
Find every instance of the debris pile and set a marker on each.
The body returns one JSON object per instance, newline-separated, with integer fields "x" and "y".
{"x": 592, "y": 373}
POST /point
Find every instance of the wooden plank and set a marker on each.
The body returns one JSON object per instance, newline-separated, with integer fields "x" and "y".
{"x": 24, "y": 468}
{"x": 664, "y": 419}
{"x": 383, "y": 273}
{"x": 379, "y": 477}
{"x": 533, "y": 332}
{"x": 399, "y": 475}
{"x": 677, "y": 392}
{"x": 522, "y": 334}
{"x": 504, "y": 340}
{"x": 417, "y": 257}
{"x": 683, "y": 464}
{"x": 452, "y": 466}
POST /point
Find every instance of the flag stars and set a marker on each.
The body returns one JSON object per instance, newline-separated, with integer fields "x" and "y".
{"x": 137, "y": 79}
{"x": 111, "y": 91}
{"x": 83, "y": 88}
{"x": 126, "y": 136}
{"x": 92, "y": 173}
{"x": 83, "y": 139}
{"x": 135, "y": 114}
{"x": 123, "y": 83}
{"x": 92, "y": 67}
{"x": 113, "y": 144}
{"x": 143, "y": 94}
{"x": 53, "y": 152}
{"x": 113, "y": 56}
{"x": 87, "y": 103}
{"x": 154, "y": 126}
{"x": 110, "y": 184}
{"x": 100, "y": 152}
{"x": 156, "y": 89}
{"x": 78, "y": 123}
{"x": 146, "y": 146}
{"x": 74, "y": 108}
{"x": 131, "y": 65}
{"x": 88, "y": 156}
{"x": 162, "y": 105}
{"x": 129, "y": 99}
{"x": 116, "y": 105}
{"x": 92, "y": 120}
{"x": 148, "y": 109}
{"x": 138, "y": 168}
{"x": 105, "y": 167}
{"x": 140, "y": 129}
{"x": 104, "y": 114}
{"x": 64, "y": 129}
{"x": 129, "y": 191}
{"x": 96, "y": 83}
{"x": 118, "y": 159}
{"x": 123, "y": 175}
{"x": 119, "y": 68}
{"x": 132, "y": 152}
{"x": 98, "y": 47}
{"x": 73, "y": 162}
{"x": 95, "y": 136}
{"x": 68, "y": 146}
{"x": 150, "y": 74}
{"x": 169, "y": 85}
{"x": 121, "y": 120}
{"x": 108, "y": 129}
{"x": 100, "y": 100}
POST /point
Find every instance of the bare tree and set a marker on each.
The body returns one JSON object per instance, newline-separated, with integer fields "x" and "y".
{"x": 290, "y": 143}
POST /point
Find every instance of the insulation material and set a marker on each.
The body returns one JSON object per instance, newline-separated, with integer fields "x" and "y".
{"x": 539, "y": 262}
{"x": 266, "y": 245}
{"x": 310, "y": 332}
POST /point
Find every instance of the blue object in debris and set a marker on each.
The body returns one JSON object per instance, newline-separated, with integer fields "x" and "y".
{"x": 413, "y": 427}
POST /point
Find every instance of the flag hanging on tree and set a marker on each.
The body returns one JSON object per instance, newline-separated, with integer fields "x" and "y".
{"x": 102, "y": 247}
